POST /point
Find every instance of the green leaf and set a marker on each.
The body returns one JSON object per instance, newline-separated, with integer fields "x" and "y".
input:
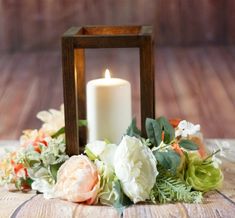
{"x": 168, "y": 160}
{"x": 90, "y": 155}
{"x": 121, "y": 200}
{"x": 133, "y": 130}
{"x": 59, "y": 132}
{"x": 154, "y": 131}
{"x": 62, "y": 130}
{"x": 82, "y": 123}
{"x": 169, "y": 132}
{"x": 54, "y": 169}
{"x": 187, "y": 144}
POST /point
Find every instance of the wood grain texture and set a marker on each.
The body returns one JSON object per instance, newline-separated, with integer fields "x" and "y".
{"x": 196, "y": 84}
{"x": 36, "y": 25}
{"x": 203, "y": 21}
{"x": 216, "y": 204}
{"x": 230, "y": 19}
{"x": 10, "y": 201}
{"x": 63, "y": 209}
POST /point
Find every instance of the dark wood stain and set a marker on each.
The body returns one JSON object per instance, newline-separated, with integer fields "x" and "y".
{"x": 36, "y": 25}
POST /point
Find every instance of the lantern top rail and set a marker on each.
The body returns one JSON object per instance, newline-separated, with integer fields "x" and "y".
{"x": 108, "y": 36}
{"x": 110, "y": 31}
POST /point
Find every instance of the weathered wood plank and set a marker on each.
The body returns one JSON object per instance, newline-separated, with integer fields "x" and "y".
{"x": 168, "y": 22}
{"x": 39, "y": 207}
{"x": 10, "y": 201}
{"x": 230, "y": 19}
{"x": 36, "y": 25}
{"x": 184, "y": 93}
{"x": 215, "y": 206}
{"x": 221, "y": 62}
{"x": 192, "y": 83}
{"x": 165, "y": 90}
{"x": 202, "y": 20}
{"x": 21, "y": 81}
{"x": 213, "y": 92}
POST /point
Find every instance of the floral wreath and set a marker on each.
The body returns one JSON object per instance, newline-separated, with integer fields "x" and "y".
{"x": 171, "y": 165}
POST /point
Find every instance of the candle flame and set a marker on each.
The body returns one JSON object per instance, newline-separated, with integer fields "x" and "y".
{"x": 107, "y": 74}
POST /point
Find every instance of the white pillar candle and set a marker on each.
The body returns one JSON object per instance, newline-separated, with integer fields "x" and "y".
{"x": 108, "y": 108}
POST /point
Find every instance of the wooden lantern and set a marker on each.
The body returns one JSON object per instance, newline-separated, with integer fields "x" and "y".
{"x": 74, "y": 43}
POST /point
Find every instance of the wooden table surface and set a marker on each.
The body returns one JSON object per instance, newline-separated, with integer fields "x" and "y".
{"x": 220, "y": 203}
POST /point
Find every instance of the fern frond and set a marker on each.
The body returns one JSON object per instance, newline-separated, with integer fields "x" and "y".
{"x": 172, "y": 189}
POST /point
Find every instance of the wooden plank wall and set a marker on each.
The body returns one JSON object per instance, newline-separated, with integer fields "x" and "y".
{"x": 38, "y": 24}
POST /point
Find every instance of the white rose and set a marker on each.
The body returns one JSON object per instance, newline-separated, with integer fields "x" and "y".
{"x": 135, "y": 167}
{"x": 185, "y": 129}
{"x": 105, "y": 152}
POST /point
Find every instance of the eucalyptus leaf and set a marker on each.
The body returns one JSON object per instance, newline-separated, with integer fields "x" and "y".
{"x": 169, "y": 132}
{"x": 168, "y": 160}
{"x": 188, "y": 144}
{"x": 54, "y": 169}
{"x": 154, "y": 131}
{"x": 121, "y": 200}
{"x": 133, "y": 130}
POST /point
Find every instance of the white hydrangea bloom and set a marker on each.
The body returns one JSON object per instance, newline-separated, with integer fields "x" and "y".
{"x": 185, "y": 128}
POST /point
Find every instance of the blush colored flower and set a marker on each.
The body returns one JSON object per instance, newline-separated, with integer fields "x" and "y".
{"x": 78, "y": 180}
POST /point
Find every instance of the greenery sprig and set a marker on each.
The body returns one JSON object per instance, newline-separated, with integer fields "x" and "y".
{"x": 168, "y": 189}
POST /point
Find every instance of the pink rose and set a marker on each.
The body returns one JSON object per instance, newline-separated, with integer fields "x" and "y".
{"x": 78, "y": 180}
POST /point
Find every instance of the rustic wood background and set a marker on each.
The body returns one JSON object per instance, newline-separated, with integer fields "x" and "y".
{"x": 38, "y": 24}
{"x": 197, "y": 84}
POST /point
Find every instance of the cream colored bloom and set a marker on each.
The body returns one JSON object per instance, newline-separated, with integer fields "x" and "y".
{"x": 135, "y": 167}
{"x": 53, "y": 120}
{"x": 105, "y": 152}
{"x": 78, "y": 180}
{"x": 185, "y": 129}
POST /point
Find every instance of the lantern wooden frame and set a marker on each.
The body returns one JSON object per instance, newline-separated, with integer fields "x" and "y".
{"x": 74, "y": 43}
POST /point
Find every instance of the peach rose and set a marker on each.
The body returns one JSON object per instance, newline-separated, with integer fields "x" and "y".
{"x": 78, "y": 180}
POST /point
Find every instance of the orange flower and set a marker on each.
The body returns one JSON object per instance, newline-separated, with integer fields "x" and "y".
{"x": 163, "y": 135}
{"x": 175, "y": 122}
{"x": 177, "y": 149}
{"x": 201, "y": 148}
{"x": 36, "y": 144}
{"x": 20, "y": 169}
